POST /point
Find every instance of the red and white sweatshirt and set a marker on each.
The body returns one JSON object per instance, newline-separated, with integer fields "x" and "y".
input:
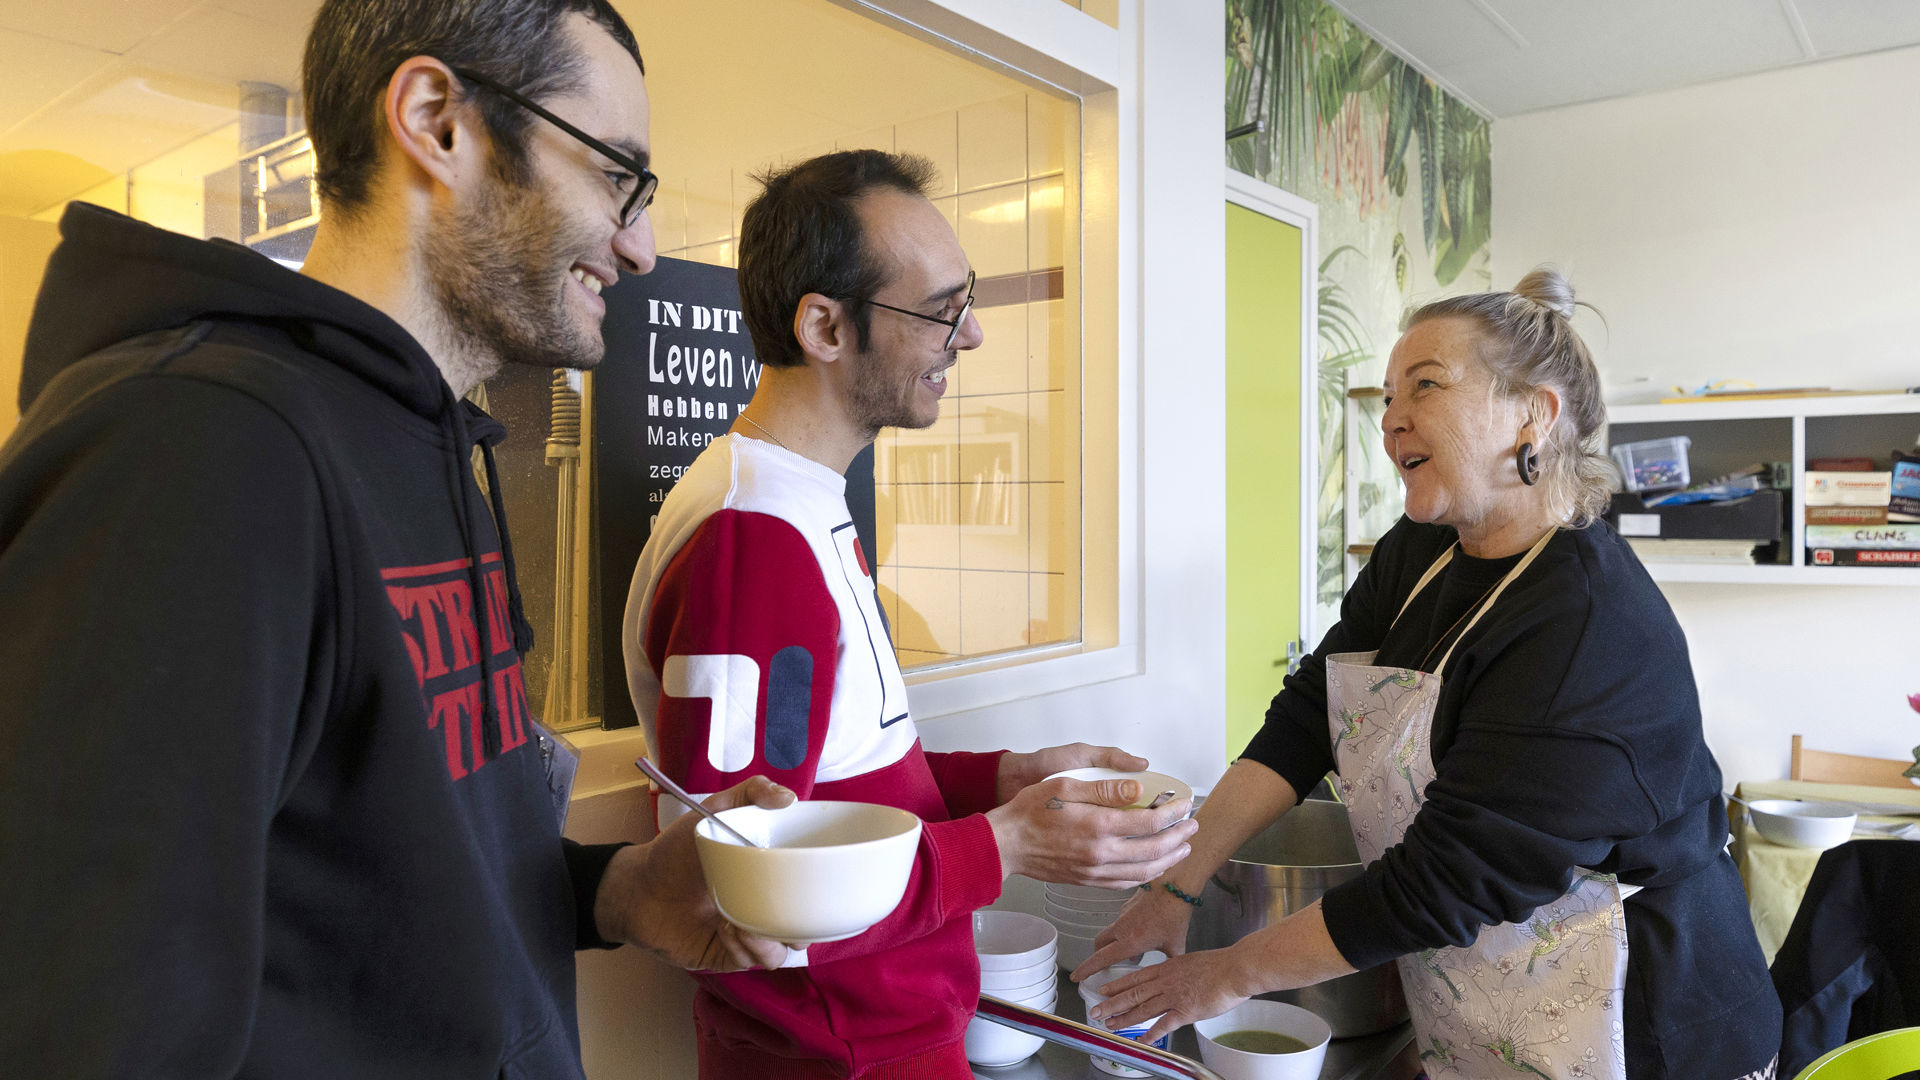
{"x": 755, "y": 646}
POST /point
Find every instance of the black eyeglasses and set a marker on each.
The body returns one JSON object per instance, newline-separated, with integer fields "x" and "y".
{"x": 645, "y": 183}
{"x": 952, "y": 324}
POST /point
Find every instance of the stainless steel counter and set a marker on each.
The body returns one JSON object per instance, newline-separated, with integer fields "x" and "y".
{"x": 1364, "y": 1058}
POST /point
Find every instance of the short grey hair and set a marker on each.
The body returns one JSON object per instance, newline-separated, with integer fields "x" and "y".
{"x": 1528, "y": 342}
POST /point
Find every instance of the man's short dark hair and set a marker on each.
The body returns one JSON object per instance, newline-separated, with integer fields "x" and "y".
{"x": 355, "y": 45}
{"x": 802, "y": 235}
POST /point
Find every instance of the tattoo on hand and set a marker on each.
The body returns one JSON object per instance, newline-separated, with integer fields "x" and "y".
{"x": 1055, "y": 804}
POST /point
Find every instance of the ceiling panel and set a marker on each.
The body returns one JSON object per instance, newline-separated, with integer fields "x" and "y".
{"x": 126, "y": 116}
{"x": 294, "y": 15}
{"x": 112, "y": 26}
{"x": 1576, "y": 52}
{"x": 1441, "y": 33}
{"x": 1844, "y": 27}
{"x": 39, "y": 71}
{"x": 220, "y": 46}
{"x": 1588, "y": 52}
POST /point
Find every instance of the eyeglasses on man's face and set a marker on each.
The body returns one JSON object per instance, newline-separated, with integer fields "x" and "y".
{"x": 636, "y": 180}
{"x": 953, "y": 324}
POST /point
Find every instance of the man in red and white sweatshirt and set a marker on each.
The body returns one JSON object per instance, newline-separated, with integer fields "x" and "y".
{"x": 755, "y": 645}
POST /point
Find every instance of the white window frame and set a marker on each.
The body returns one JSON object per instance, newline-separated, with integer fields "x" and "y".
{"x": 1067, "y": 48}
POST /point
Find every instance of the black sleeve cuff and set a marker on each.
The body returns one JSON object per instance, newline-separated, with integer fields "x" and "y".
{"x": 586, "y": 865}
{"x": 1354, "y": 916}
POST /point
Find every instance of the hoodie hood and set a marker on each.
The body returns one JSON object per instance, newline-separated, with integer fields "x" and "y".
{"x": 114, "y": 278}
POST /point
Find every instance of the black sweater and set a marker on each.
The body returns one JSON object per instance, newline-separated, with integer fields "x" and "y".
{"x": 1567, "y": 733}
{"x": 269, "y": 800}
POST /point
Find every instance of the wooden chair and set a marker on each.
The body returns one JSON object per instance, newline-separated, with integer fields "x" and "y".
{"x": 1832, "y": 768}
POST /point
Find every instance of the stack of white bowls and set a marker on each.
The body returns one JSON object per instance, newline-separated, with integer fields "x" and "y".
{"x": 1017, "y": 955}
{"x": 1079, "y": 913}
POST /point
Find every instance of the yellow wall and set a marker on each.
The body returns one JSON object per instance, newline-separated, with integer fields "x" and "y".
{"x": 24, "y": 247}
{"x": 168, "y": 191}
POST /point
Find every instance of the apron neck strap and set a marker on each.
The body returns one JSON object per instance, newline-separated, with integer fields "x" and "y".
{"x": 1518, "y": 569}
{"x": 1433, "y": 571}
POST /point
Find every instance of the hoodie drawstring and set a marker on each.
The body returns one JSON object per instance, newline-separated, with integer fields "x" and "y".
{"x": 461, "y": 463}
{"x": 516, "y": 611}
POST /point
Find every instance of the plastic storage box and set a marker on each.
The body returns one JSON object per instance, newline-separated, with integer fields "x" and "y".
{"x": 1655, "y": 464}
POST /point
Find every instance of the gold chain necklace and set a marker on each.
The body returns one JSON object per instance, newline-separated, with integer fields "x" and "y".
{"x": 768, "y": 434}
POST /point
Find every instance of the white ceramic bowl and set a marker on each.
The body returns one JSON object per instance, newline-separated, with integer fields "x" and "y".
{"x": 1008, "y": 940}
{"x": 1265, "y": 1016}
{"x": 1044, "y": 999}
{"x": 992, "y": 1044}
{"x": 1087, "y": 892}
{"x": 1803, "y": 824}
{"x": 1046, "y": 982}
{"x": 1005, "y": 978}
{"x": 1074, "y": 950}
{"x": 1087, "y": 907}
{"x": 829, "y": 870}
{"x": 1079, "y": 921}
{"x": 1151, "y": 783}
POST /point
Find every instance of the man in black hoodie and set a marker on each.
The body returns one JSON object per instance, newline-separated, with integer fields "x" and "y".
{"x": 274, "y": 804}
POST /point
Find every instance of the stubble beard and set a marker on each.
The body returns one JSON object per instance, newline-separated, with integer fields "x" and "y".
{"x": 879, "y": 401}
{"x": 498, "y": 271}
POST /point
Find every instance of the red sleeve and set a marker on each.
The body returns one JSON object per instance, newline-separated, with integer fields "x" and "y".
{"x": 743, "y": 636}
{"x": 969, "y": 782}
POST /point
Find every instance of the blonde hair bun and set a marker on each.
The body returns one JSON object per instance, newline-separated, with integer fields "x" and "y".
{"x": 1549, "y": 288}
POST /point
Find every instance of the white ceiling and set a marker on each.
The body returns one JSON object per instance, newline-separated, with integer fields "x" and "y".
{"x": 1507, "y": 57}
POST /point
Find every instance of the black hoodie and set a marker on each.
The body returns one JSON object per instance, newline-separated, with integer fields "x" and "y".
{"x": 273, "y": 805}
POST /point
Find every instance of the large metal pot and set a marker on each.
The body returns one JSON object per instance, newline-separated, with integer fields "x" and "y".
{"x": 1281, "y": 870}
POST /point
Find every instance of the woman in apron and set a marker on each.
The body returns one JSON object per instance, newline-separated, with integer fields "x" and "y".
{"x": 1510, "y": 713}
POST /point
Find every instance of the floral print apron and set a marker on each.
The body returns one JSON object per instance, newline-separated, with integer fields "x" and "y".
{"x": 1539, "y": 999}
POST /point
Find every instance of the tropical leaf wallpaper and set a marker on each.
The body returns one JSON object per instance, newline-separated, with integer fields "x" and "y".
{"x": 1403, "y": 175}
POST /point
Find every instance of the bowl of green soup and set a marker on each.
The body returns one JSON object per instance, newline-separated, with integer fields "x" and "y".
{"x": 1264, "y": 1040}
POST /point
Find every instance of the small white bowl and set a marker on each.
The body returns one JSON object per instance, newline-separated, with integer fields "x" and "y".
{"x": 1047, "y": 981}
{"x": 1088, "y": 907}
{"x": 1004, "y": 978}
{"x": 1262, "y": 1015}
{"x": 1074, "y": 950}
{"x": 1079, "y": 920}
{"x": 1803, "y": 824}
{"x": 1151, "y": 783}
{"x": 829, "y": 870}
{"x": 1007, "y": 940}
{"x": 1044, "y": 1000}
{"x": 992, "y": 1044}
{"x": 1087, "y": 892}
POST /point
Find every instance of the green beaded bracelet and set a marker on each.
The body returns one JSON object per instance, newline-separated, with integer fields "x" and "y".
{"x": 1175, "y": 890}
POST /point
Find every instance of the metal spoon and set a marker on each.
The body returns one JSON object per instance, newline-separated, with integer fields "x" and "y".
{"x": 675, "y": 790}
{"x": 1161, "y": 799}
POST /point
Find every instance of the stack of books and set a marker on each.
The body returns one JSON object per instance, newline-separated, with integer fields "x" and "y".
{"x": 1710, "y": 552}
{"x": 1860, "y": 516}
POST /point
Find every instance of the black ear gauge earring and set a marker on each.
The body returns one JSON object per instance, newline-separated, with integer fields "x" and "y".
{"x": 1528, "y": 463}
